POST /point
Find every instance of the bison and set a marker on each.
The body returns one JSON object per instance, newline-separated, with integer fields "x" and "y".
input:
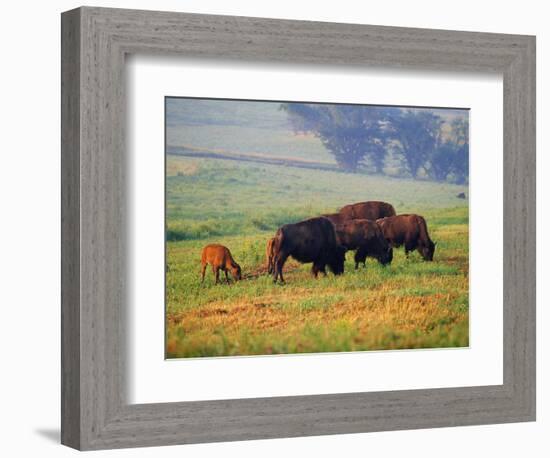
{"x": 269, "y": 254}
{"x": 313, "y": 240}
{"x": 408, "y": 230}
{"x": 335, "y": 218}
{"x": 372, "y": 210}
{"x": 366, "y": 238}
{"x": 219, "y": 257}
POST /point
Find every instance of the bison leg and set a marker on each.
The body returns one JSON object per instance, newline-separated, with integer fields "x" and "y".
{"x": 278, "y": 263}
{"x": 226, "y": 277}
{"x": 360, "y": 258}
{"x": 316, "y": 268}
{"x": 275, "y": 270}
{"x": 409, "y": 246}
{"x": 203, "y": 270}
{"x": 216, "y": 274}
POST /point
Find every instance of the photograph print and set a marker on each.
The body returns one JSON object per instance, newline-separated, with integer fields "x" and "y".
{"x": 304, "y": 227}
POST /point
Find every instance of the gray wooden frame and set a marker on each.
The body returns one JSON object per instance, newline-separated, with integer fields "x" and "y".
{"x": 95, "y": 41}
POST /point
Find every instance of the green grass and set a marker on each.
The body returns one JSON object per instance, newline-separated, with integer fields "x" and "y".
{"x": 409, "y": 304}
{"x": 210, "y": 198}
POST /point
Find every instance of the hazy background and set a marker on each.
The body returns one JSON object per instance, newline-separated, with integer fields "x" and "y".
{"x": 423, "y": 143}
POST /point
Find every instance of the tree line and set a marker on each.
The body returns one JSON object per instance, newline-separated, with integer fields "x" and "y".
{"x": 359, "y": 137}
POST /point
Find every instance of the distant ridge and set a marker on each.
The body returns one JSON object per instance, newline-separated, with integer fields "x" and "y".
{"x": 190, "y": 151}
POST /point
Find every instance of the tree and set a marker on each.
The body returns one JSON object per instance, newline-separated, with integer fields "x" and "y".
{"x": 461, "y": 139}
{"x": 450, "y": 157}
{"x": 417, "y": 135}
{"x": 442, "y": 161}
{"x": 352, "y": 133}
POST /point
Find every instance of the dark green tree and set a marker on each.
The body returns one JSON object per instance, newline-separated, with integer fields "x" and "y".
{"x": 417, "y": 135}
{"x": 354, "y": 134}
{"x": 442, "y": 161}
{"x": 461, "y": 141}
{"x": 450, "y": 158}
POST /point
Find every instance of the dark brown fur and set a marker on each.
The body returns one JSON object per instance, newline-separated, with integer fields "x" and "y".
{"x": 313, "y": 240}
{"x": 219, "y": 257}
{"x": 335, "y": 218}
{"x": 410, "y": 231}
{"x": 367, "y": 210}
{"x": 366, "y": 238}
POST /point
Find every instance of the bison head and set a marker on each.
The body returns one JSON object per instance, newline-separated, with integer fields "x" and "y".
{"x": 386, "y": 256}
{"x": 336, "y": 262}
{"x": 427, "y": 251}
{"x": 385, "y": 251}
{"x": 236, "y": 271}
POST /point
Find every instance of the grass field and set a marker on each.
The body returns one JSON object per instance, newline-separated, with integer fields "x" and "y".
{"x": 409, "y": 304}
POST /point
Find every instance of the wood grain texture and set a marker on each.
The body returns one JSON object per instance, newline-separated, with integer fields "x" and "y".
{"x": 70, "y": 229}
{"x": 95, "y": 411}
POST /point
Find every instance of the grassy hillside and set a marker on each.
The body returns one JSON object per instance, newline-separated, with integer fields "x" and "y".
{"x": 252, "y": 128}
{"x": 410, "y": 304}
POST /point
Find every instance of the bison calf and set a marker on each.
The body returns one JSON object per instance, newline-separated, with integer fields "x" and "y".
{"x": 408, "y": 230}
{"x": 313, "y": 240}
{"x": 219, "y": 257}
{"x": 270, "y": 254}
{"x": 366, "y": 238}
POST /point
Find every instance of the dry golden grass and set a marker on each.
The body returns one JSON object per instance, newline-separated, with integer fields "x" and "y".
{"x": 395, "y": 311}
{"x": 178, "y": 167}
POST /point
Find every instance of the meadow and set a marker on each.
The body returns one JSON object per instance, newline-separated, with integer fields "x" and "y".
{"x": 409, "y": 304}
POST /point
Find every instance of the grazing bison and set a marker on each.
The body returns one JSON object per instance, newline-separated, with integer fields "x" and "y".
{"x": 367, "y": 210}
{"x": 313, "y": 240}
{"x": 269, "y": 254}
{"x": 219, "y": 257}
{"x": 366, "y": 238}
{"x": 408, "y": 230}
{"x": 335, "y": 218}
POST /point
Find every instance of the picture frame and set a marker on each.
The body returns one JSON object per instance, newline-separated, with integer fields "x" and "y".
{"x": 95, "y": 410}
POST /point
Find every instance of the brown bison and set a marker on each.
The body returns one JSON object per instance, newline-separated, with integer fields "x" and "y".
{"x": 367, "y": 210}
{"x": 313, "y": 240}
{"x": 408, "y": 230}
{"x": 335, "y": 218}
{"x": 219, "y": 257}
{"x": 366, "y": 238}
{"x": 269, "y": 254}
